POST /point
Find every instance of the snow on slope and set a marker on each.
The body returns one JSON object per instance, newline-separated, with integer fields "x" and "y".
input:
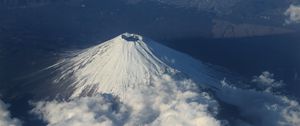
{"x": 127, "y": 61}
{"x": 131, "y": 80}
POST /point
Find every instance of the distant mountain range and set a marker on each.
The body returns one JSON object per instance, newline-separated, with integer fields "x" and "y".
{"x": 225, "y": 29}
{"x": 206, "y": 18}
{"x": 215, "y": 6}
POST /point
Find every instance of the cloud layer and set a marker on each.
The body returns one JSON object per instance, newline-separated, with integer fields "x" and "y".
{"x": 261, "y": 108}
{"x": 5, "y": 117}
{"x": 176, "y": 102}
{"x": 293, "y": 13}
{"x": 167, "y": 102}
{"x": 170, "y": 102}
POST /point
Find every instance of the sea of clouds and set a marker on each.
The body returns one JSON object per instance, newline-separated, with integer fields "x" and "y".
{"x": 167, "y": 102}
{"x": 170, "y": 102}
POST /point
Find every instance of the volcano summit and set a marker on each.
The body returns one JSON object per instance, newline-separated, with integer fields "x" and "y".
{"x": 127, "y": 61}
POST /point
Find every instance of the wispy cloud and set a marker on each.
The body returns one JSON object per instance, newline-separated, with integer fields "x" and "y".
{"x": 261, "y": 106}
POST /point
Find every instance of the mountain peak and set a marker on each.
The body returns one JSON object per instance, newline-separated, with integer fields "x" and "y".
{"x": 114, "y": 66}
{"x": 123, "y": 63}
{"x": 131, "y": 37}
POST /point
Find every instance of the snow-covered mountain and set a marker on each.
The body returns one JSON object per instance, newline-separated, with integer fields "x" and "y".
{"x": 127, "y": 61}
{"x": 131, "y": 80}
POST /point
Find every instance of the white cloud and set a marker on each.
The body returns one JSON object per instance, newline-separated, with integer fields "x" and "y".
{"x": 5, "y": 117}
{"x": 267, "y": 82}
{"x": 90, "y": 111}
{"x": 291, "y": 113}
{"x": 171, "y": 102}
{"x": 166, "y": 103}
{"x": 262, "y": 108}
{"x": 293, "y": 13}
